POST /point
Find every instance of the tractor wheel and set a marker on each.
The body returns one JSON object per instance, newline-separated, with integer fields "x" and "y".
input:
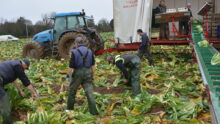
{"x": 100, "y": 42}
{"x": 33, "y": 50}
{"x": 95, "y": 42}
{"x": 66, "y": 44}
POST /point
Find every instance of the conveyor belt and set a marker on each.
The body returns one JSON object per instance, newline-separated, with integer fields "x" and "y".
{"x": 210, "y": 73}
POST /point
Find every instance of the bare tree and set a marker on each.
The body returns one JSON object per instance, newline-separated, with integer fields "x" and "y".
{"x": 2, "y": 20}
{"x": 39, "y": 23}
{"x": 104, "y": 26}
{"x": 46, "y": 19}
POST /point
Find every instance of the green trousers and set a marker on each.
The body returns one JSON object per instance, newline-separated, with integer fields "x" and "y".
{"x": 82, "y": 77}
{"x": 146, "y": 52}
{"x": 134, "y": 72}
{"x": 5, "y": 108}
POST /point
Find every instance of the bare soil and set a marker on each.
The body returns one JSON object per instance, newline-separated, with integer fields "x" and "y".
{"x": 111, "y": 101}
{"x": 18, "y": 115}
{"x": 57, "y": 88}
{"x": 154, "y": 84}
{"x": 153, "y": 91}
{"x": 156, "y": 110}
{"x": 112, "y": 90}
{"x": 111, "y": 78}
{"x": 102, "y": 90}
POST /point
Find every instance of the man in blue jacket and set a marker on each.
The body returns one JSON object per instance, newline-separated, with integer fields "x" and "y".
{"x": 82, "y": 65}
{"x": 144, "y": 49}
{"x": 9, "y": 72}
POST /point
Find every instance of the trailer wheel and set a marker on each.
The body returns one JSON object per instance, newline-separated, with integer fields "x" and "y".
{"x": 33, "y": 50}
{"x": 66, "y": 44}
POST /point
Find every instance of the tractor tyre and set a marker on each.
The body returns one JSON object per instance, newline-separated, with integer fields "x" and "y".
{"x": 66, "y": 44}
{"x": 100, "y": 42}
{"x": 33, "y": 50}
{"x": 96, "y": 42}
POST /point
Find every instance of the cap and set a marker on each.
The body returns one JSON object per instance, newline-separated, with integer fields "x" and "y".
{"x": 78, "y": 39}
{"x": 26, "y": 61}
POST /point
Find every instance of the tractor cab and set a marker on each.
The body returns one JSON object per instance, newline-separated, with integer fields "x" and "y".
{"x": 64, "y": 22}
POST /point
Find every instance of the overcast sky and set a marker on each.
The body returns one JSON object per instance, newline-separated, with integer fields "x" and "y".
{"x": 33, "y": 9}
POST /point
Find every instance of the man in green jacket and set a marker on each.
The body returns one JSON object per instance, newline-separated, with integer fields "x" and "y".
{"x": 130, "y": 66}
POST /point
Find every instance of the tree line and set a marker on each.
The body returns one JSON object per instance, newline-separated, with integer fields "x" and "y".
{"x": 23, "y": 27}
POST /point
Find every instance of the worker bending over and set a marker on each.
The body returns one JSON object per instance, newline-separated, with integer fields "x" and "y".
{"x": 144, "y": 48}
{"x": 82, "y": 65}
{"x": 132, "y": 75}
{"x": 9, "y": 72}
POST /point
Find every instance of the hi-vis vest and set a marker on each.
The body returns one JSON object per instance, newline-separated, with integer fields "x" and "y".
{"x": 119, "y": 58}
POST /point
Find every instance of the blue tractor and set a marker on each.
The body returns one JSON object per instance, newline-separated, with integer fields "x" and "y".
{"x": 60, "y": 40}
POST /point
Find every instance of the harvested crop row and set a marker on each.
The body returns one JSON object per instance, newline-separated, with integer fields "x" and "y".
{"x": 172, "y": 91}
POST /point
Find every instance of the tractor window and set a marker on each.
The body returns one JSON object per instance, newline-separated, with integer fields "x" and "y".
{"x": 60, "y": 24}
{"x": 75, "y": 22}
{"x": 72, "y": 22}
{"x": 81, "y": 21}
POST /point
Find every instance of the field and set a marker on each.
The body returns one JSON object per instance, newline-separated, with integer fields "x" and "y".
{"x": 172, "y": 91}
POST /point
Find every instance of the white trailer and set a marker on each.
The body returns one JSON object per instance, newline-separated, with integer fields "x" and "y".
{"x": 130, "y": 15}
